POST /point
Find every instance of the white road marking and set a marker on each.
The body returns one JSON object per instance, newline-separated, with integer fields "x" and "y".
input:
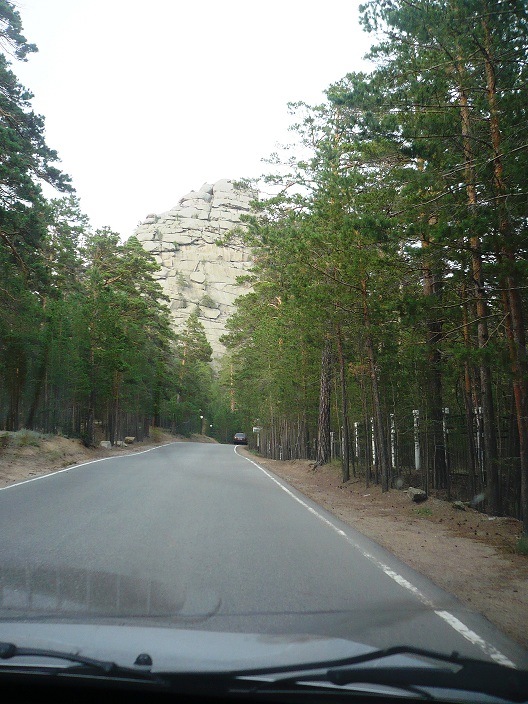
{"x": 448, "y": 617}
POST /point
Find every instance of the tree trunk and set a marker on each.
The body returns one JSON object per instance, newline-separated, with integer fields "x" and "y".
{"x": 89, "y": 434}
{"x": 323, "y": 422}
{"x": 39, "y": 385}
{"x": 491, "y": 469}
{"x": 469, "y": 402}
{"x": 16, "y": 370}
{"x": 345, "y": 458}
{"x": 380, "y": 437}
{"x": 512, "y": 300}
{"x": 432, "y": 288}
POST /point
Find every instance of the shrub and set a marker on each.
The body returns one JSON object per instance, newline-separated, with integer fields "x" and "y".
{"x": 155, "y": 434}
{"x": 522, "y": 545}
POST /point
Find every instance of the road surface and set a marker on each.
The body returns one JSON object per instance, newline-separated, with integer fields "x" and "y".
{"x": 202, "y": 537}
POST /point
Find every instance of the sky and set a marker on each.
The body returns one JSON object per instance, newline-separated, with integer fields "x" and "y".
{"x": 146, "y": 101}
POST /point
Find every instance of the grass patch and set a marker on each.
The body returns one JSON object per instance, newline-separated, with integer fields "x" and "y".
{"x": 423, "y": 511}
{"x": 521, "y": 547}
{"x": 27, "y": 438}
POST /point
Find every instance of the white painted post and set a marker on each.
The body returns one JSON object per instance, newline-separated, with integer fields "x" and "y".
{"x": 393, "y": 440}
{"x": 417, "y": 463}
{"x": 373, "y": 442}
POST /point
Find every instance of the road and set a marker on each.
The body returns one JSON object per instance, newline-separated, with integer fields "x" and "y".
{"x": 206, "y": 538}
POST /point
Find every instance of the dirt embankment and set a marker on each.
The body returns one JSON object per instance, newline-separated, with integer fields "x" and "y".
{"x": 469, "y": 554}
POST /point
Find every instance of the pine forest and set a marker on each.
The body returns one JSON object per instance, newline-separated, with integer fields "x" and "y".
{"x": 385, "y": 330}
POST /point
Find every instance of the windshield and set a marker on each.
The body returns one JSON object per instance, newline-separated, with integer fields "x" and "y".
{"x": 271, "y": 410}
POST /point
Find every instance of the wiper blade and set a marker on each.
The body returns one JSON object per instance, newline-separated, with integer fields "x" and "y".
{"x": 468, "y": 674}
{"x": 459, "y": 673}
{"x": 81, "y": 664}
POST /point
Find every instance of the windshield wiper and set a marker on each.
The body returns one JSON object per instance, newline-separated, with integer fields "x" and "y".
{"x": 461, "y": 673}
{"x": 456, "y": 673}
{"x": 81, "y": 665}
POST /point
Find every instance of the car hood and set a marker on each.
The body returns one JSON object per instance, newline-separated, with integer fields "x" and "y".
{"x": 176, "y": 649}
{"x": 174, "y": 657}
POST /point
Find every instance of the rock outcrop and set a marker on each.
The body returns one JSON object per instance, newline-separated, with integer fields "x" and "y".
{"x": 195, "y": 271}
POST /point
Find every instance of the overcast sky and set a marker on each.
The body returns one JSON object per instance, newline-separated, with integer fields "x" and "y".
{"x": 145, "y": 101}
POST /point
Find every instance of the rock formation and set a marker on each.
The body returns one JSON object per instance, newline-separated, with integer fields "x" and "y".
{"x": 195, "y": 271}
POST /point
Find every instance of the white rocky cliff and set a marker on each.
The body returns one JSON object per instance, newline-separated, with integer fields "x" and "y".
{"x": 195, "y": 271}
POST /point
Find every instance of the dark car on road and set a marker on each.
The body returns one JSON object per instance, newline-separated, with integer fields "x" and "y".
{"x": 240, "y": 439}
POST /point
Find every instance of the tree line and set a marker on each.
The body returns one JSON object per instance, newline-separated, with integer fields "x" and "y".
{"x": 390, "y": 245}
{"x": 87, "y": 347}
{"x": 386, "y": 325}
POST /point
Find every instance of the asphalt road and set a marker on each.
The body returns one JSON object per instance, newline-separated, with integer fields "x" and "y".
{"x": 198, "y": 535}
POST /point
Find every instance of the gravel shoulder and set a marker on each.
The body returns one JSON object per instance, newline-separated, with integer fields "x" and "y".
{"x": 467, "y": 553}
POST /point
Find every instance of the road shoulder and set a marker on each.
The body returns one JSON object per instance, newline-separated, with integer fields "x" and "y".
{"x": 467, "y": 553}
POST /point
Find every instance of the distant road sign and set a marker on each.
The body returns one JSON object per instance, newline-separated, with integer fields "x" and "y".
{"x": 257, "y": 429}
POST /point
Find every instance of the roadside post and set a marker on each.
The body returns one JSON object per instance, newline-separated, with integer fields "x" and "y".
{"x": 257, "y": 429}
